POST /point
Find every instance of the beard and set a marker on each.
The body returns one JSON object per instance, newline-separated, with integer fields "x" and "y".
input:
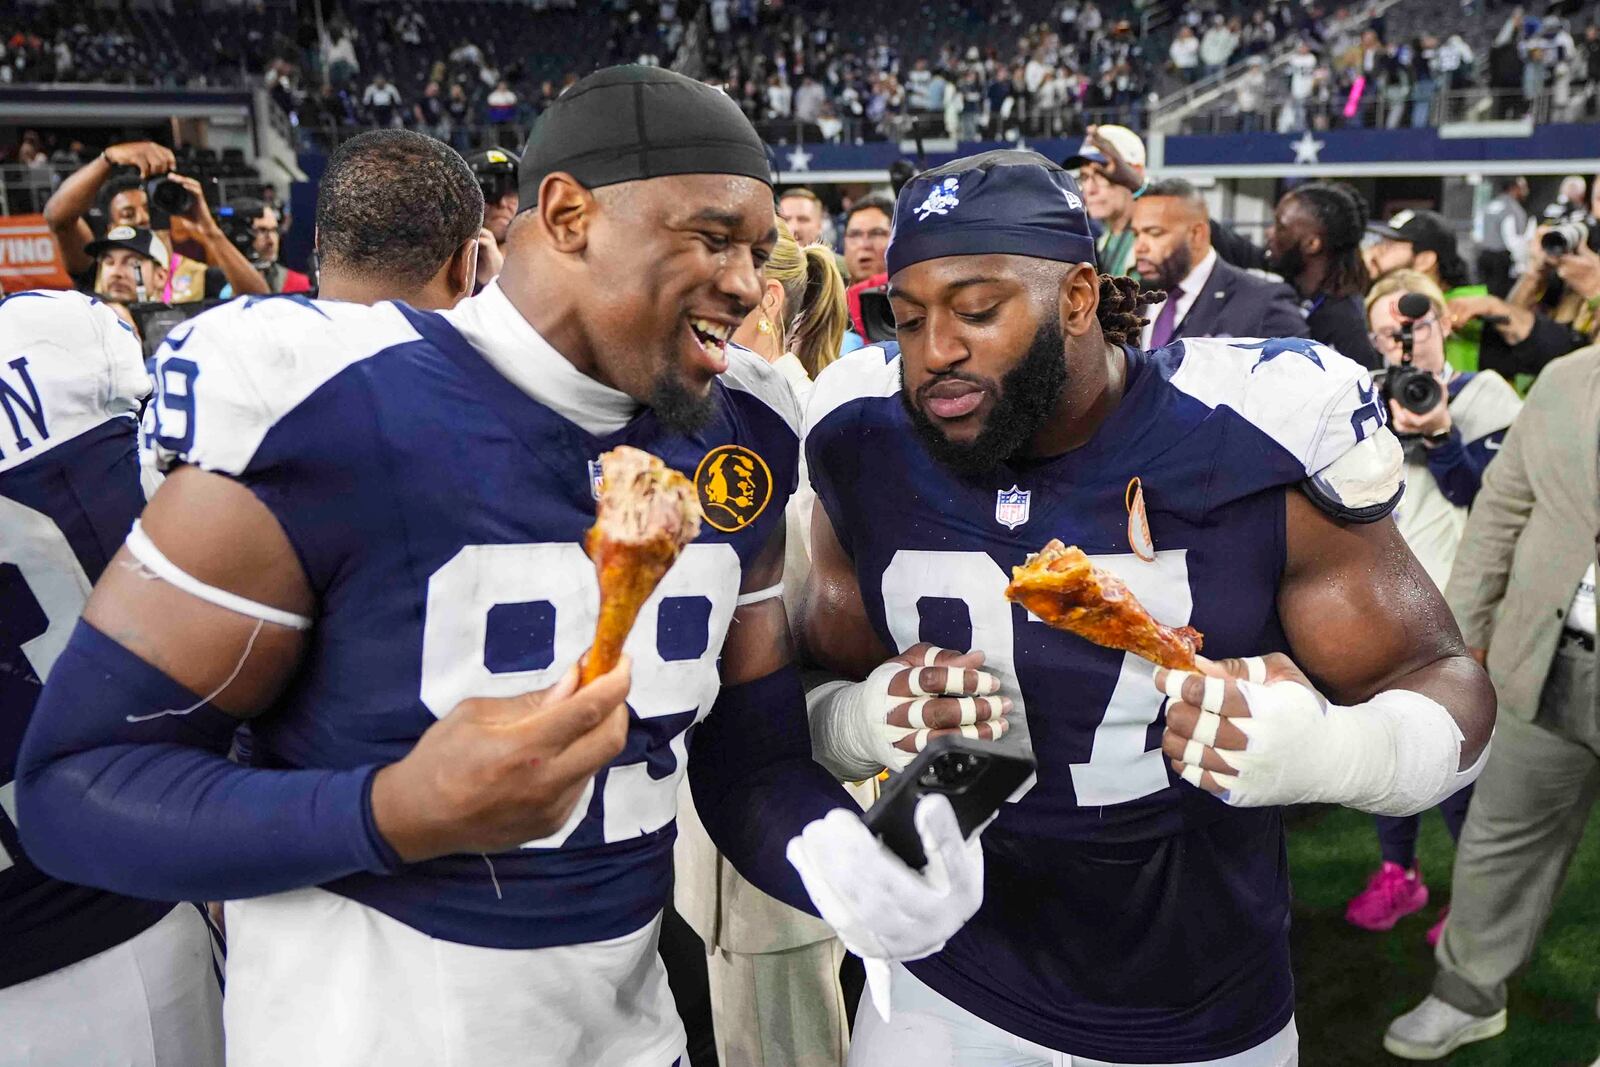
{"x": 1024, "y": 401}
{"x": 1287, "y": 264}
{"x": 678, "y": 408}
{"x": 1170, "y": 271}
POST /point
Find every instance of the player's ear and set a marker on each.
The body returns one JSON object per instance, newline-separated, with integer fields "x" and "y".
{"x": 1079, "y": 299}
{"x": 1425, "y": 265}
{"x": 461, "y": 269}
{"x": 565, "y": 211}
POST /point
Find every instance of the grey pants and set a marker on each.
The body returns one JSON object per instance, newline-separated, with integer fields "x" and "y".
{"x": 1527, "y": 816}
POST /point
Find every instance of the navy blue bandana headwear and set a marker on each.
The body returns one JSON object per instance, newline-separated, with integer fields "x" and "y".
{"x": 1008, "y": 202}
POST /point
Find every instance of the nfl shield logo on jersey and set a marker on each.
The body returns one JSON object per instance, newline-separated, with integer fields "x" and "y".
{"x": 1011, "y": 507}
{"x": 594, "y": 478}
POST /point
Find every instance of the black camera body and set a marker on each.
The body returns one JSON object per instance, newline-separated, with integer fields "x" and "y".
{"x": 237, "y": 221}
{"x": 1414, "y": 389}
{"x": 167, "y": 197}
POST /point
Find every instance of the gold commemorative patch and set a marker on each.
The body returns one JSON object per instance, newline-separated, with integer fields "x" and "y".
{"x": 735, "y": 486}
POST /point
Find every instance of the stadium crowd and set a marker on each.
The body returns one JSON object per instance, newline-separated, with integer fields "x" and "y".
{"x": 1000, "y": 72}
{"x": 345, "y": 487}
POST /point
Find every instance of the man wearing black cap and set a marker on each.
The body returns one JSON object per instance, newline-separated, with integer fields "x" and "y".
{"x": 496, "y": 171}
{"x": 1424, "y": 241}
{"x": 132, "y": 265}
{"x": 1137, "y": 900}
{"x": 370, "y": 542}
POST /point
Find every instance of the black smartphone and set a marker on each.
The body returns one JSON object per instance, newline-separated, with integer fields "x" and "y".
{"x": 977, "y": 776}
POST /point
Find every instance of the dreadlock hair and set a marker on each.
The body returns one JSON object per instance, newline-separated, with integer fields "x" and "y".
{"x": 1342, "y": 214}
{"x": 1121, "y": 310}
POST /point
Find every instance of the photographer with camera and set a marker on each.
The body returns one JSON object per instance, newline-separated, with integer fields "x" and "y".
{"x": 256, "y": 230}
{"x": 496, "y": 171}
{"x": 156, "y": 192}
{"x": 1451, "y": 424}
{"x": 1553, "y": 309}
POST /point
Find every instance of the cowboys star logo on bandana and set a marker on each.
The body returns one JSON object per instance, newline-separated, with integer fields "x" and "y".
{"x": 1011, "y": 507}
{"x": 940, "y": 200}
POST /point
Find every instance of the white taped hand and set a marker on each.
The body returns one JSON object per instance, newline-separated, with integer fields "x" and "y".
{"x": 1264, "y": 737}
{"x": 881, "y": 908}
{"x": 857, "y": 729}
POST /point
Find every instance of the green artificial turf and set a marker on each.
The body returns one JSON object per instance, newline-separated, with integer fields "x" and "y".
{"x": 1351, "y": 983}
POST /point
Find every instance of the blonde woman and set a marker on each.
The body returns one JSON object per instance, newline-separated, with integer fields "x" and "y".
{"x": 774, "y": 971}
{"x": 1446, "y": 449}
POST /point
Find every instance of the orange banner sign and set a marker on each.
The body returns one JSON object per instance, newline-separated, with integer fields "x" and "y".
{"x": 29, "y": 255}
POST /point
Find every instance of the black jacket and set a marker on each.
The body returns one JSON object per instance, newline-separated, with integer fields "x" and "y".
{"x": 1236, "y": 303}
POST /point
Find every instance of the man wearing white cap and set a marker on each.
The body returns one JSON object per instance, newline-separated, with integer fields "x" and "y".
{"x": 1109, "y": 205}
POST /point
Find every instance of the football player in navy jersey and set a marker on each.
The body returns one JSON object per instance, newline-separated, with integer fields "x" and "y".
{"x": 1137, "y": 900}
{"x": 87, "y": 977}
{"x": 369, "y": 545}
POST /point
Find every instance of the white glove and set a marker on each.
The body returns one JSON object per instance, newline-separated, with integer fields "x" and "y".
{"x": 881, "y": 908}
{"x": 1266, "y": 738}
{"x": 859, "y": 728}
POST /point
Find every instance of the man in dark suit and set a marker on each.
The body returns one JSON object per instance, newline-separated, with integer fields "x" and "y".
{"x": 1206, "y": 296}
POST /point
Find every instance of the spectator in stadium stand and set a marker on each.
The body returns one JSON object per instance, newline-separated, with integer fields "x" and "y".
{"x": 1206, "y": 297}
{"x": 398, "y": 218}
{"x": 126, "y": 203}
{"x": 1314, "y": 243}
{"x": 1423, "y": 241}
{"x": 381, "y": 100}
{"x": 1447, "y": 450}
{"x": 1503, "y": 235}
{"x": 1109, "y": 204}
{"x": 866, "y": 237}
{"x": 1522, "y": 590}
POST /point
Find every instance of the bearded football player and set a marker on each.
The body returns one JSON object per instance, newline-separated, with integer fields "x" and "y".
{"x": 451, "y": 845}
{"x": 1019, "y": 507}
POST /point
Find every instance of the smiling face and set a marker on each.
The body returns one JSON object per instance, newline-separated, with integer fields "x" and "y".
{"x": 983, "y": 358}
{"x": 671, "y": 267}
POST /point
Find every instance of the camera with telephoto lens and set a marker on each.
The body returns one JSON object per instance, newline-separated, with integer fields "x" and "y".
{"x": 1414, "y": 389}
{"x": 1565, "y": 238}
{"x": 168, "y": 197}
{"x": 237, "y": 220}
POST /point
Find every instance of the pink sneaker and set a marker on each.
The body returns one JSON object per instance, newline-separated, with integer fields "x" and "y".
{"x": 1391, "y": 895}
{"x": 1436, "y": 931}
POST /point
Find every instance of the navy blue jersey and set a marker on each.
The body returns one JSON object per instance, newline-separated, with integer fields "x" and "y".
{"x": 1127, "y": 915}
{"x": 438, "y": 511}
{"x": 71, "y": 381}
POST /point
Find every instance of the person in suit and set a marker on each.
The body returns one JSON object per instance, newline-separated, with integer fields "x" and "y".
{"x": 1206, "y": 296}
{"x": 1522, "y": 590}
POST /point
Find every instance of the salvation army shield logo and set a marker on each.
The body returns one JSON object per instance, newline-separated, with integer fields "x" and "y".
{"x": 1011, "y": 507}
